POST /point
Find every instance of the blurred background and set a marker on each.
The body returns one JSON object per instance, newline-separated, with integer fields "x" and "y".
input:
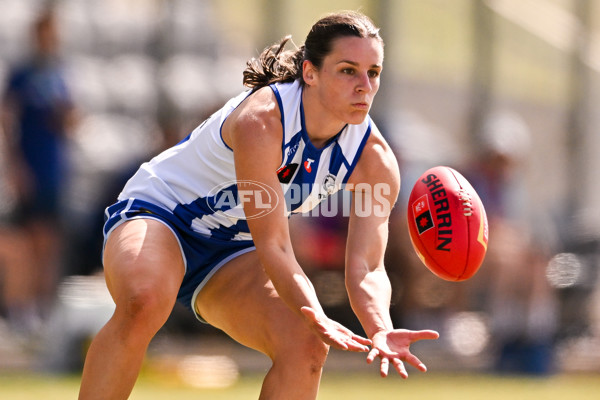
{"x": 505, "y": 91}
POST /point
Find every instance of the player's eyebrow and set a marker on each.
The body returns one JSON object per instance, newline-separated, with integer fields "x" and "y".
{"x": 354, "y": 63}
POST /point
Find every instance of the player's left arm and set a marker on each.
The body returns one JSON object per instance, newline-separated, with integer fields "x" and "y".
{"x": 376, "y": 184}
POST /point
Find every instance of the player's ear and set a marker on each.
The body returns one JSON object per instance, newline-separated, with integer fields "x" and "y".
{"x": 309, "y": 72}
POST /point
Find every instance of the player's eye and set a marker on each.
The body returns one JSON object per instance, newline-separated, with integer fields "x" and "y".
{"x": 374, "y": 73}
{"x": 348, "y": 71}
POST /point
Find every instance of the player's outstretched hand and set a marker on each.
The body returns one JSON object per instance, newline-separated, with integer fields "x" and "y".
{"x": 334, "y": 333}
{"x": 394, "y": 346}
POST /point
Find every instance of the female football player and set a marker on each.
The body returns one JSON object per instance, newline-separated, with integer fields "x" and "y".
{"x": 205, "y": 222}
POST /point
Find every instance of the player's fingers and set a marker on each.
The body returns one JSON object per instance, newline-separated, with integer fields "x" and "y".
{"x": 336, "y": 334}
{"x": 342, "y": 341}
{"x": 372, "y": 355}
{"x": 339, "y": 337}
{"x": 385, "y": 366}
{"x": 354, "y": 341}
{"x": 362, "y": 340}
{"x": 353, "y": 345}
{"x": 399, "y": 365}
{"x": 351, "y": 341}
{"x": 332, "y": 341}
{"x": 415, "y": 362}
{"x": 317, "y": 322}
{"x": 310, "y": 313}
{"x": 424, "y": 334}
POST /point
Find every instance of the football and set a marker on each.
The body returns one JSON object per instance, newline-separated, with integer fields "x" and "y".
{"x": 447, "y": 224}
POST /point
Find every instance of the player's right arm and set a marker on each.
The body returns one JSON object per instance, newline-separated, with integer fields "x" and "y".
{"x": 254, "y": 132}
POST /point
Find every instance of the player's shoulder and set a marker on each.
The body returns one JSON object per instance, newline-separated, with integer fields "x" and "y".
{"x": 256, "y": 118}
{"x": 378, "y": 145}
{"x": 377, "y": 162}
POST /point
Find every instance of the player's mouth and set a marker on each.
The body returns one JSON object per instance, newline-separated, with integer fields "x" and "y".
{"x": 361, "y": 106}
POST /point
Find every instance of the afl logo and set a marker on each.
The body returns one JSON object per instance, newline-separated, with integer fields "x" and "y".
{"x": 255, "y": 198}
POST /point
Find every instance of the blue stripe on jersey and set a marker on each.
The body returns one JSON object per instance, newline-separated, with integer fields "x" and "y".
{"x": 226, "y": 199}
{"x": 248, "y": 93}
{"x": 292, "y": 147}
{"x": 223, "y": 140}
{"x": 229, "y": 232}
{"x": 309, "y": 148}
{"x": 280, "y": 104}
{"x": 304, "y": 179}
{"x": 185, "y": 139}
{"x": 130, "y": 208}
{"x": 358, "y": 152}
{"x": 337, "y": 159}
{"x": 196, "y": 209}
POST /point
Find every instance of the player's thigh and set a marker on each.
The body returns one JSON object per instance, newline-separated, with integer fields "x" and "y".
{"x": 143, "y": 263}
{"x": 240, "y": 299}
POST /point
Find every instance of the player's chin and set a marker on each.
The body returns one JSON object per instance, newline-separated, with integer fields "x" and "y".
{"x": 357, "y": 117}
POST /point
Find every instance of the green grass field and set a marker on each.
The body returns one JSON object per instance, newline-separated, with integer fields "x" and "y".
{"x": 334, "y": 387}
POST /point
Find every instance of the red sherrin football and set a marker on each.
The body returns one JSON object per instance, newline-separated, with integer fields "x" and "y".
{"x": 447, "y": 224}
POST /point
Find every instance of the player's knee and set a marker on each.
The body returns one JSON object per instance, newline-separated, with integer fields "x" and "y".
{"x": 144, "y": 308}
{"x": 317, "y": 352}
{"x": 308, "y": 351}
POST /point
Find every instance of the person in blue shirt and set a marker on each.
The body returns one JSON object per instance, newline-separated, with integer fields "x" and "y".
{"x": 206, "y": 221}
{"x": 37, "y": 115}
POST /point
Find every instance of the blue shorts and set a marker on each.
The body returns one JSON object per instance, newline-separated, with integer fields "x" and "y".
{"x": 202, "y": 255}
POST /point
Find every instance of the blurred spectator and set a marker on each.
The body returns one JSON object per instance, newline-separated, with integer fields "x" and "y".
{"x": 37, "y": 114}
{"x": 16, "y": 275}
{"x": 512, "y": 282}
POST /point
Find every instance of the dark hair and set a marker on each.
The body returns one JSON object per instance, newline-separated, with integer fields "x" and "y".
{"x": 275, "y": 64}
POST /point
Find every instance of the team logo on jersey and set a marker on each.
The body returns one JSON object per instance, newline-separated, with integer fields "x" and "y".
{"x": 329, "y": 184}
{"x": 307, "y": 165}
{"x": 286, "y": 173}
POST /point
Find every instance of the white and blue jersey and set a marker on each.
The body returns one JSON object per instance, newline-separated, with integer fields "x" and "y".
{"x": 182, "y": 185}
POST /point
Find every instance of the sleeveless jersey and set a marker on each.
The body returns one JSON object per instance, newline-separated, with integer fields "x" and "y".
{"x": 190, "y": 179}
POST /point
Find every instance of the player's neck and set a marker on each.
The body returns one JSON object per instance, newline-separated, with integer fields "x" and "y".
{"x": 319, "y": 124}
